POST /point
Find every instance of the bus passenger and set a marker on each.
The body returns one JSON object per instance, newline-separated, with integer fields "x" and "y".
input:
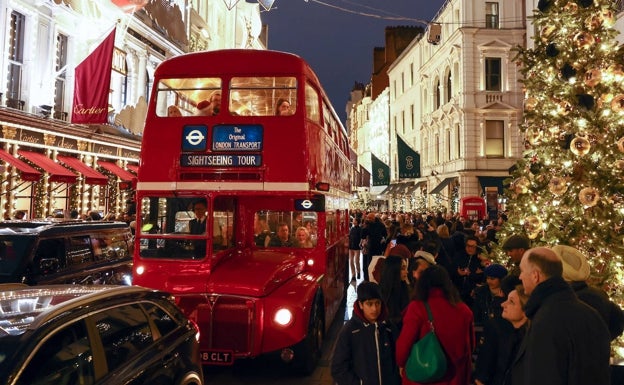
{"x": 210, "y": 107}
{"x": 282, "y": 108}
{"x": 262, "y": 233}
{"x": 173, "y": 112}
{"x": 198, "y": 225}
{"x": 282, "y": 238}
{"x": 303, "y": 238}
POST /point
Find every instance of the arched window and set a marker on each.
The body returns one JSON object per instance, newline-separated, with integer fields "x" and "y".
{"x": 436, "y": 95}
{"x": 449, "y": 86}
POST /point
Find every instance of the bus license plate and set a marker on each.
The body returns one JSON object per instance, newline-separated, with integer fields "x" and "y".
{"x": 217, "y": 357}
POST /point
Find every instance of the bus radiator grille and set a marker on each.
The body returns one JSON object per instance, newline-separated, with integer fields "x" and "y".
{"x": 227, "y": 324}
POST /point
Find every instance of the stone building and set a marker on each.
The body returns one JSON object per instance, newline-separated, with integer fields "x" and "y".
{"x": 50, "y": 166}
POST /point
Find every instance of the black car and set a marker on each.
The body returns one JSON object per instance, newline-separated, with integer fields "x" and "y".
{"x": 96, "y": 334}
{"x": 48, "y": 252}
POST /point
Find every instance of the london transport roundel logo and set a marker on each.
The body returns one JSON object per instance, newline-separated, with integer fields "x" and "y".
{"x": 306, "y": 204}
{"x": 195, "y": 137}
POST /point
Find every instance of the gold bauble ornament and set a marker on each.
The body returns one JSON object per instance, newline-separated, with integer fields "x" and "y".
{"x": 620, "y": 144}
{"x": 534, "y": 136}
{"x": 546, "y": 32}
{"x": 589, "y": 196}
{"x": 617, "y": 103}
{"x": 520, "y": 185}
{"x": 530, "y": 103}
{"x": 593, "y": 22}
{"x": 592, "y": 77}
{"x": 580, "y": 146}
{"x": 558, "y": 185}
{"x": 570, "y": 7}
{"x": 619, "y": 164}
{"x": 564, "y": 107}
{"x": 584, "y": 40}
{"x": 533, "y": 226}
{"x": 607, "y": 18}
{"x": 616, "y": 71}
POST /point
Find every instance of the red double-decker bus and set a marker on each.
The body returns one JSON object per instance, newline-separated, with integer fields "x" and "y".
{"x": 242, "y": 200}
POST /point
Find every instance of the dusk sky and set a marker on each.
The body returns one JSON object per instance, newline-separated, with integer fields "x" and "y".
{"x": 337, "y": 38}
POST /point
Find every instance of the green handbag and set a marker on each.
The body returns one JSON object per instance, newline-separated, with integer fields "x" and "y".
{"x": 427, "y": 361}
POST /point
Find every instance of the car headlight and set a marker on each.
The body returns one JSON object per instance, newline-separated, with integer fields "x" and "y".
{"x": 283, "y": 317}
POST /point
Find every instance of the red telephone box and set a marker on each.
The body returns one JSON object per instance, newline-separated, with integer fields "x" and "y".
{"x": 473, "y": 208}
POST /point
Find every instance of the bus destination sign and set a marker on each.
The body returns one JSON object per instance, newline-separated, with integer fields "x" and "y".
{"x": 237, "y": 138}
{"x": 220, "y": 160}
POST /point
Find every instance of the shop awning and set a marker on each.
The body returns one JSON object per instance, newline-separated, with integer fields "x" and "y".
{"x": 386, "y": 191}
{"x": 91, "y": 176}
{"x": 57, "y": 172}
{"x": 134, "y": 168}
{"x": 492, "y": 181}
{"x": 442, "y": 185}
{"x": 120, "y": 172}
{"x": 410, "y": 188}
{"x": 27, "y": 173}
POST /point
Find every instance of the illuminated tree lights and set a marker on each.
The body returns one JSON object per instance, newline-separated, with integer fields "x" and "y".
{"x": 569, "y": 186}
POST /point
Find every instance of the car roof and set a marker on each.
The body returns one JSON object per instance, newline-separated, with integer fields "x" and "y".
{"x": 52, "y": 227}
{"x": 27, "y": 307}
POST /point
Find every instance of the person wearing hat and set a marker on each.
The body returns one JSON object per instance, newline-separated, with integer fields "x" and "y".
{"x": 422, "y": 260}
{"x": 502, "y": 338}
{"x": 576, "y": 271}
{"x": 365, "y": 350}
{"x": 489, "y": 297}
{"x": 514, "y": 247}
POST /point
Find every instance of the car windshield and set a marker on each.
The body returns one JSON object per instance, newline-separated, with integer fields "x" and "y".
{"x": 13, "y": 248}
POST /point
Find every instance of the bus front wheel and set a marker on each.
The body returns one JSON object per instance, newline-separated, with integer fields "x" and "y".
{"x": 308, "y": 352}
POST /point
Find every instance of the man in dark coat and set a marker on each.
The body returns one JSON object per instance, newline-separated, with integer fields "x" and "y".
{"x": 198, "y": 224}
{"x": 567, "y": 342}
{"x": 467, "y": 271}
{"x": 364, "y": 352}
{"x": 576, "y": 272}
{"x": 374, "y": 232}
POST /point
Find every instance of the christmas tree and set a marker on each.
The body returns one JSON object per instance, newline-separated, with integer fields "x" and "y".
{"x": 569, "y": 186}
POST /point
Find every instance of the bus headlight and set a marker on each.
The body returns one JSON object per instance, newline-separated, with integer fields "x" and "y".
{"x": 283, "y": 317}
{"x": 140, "y": 270}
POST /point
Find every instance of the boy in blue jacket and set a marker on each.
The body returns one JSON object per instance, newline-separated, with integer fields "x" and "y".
{"x": 365, "y": 350}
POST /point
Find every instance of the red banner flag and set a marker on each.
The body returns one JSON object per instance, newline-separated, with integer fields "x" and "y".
{"x": 92, "y": 84}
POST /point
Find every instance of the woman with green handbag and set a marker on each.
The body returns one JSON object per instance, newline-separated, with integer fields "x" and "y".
{"x": 437, "y": 307}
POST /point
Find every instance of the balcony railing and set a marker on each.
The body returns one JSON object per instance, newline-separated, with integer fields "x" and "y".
{"x": 491, "y": 97}
{"x": 15, "y": 103}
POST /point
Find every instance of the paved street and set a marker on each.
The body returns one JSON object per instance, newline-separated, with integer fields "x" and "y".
{"x": 265, "y": 371}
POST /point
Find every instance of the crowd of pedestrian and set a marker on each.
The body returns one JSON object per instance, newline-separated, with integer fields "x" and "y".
{"x": 532, "y": 320}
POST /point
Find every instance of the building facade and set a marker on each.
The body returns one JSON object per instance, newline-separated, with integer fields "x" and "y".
{"x": 455, "y": 98}
{"x": 50, "y": 166}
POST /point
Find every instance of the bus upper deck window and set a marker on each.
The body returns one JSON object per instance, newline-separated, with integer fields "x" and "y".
{"x": 178, "y": 97}
{"x": 262, "y": 96}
